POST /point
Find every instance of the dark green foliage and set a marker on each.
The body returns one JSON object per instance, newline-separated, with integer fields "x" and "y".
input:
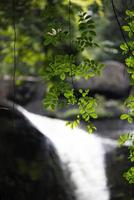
{"x": 87, "y": 32}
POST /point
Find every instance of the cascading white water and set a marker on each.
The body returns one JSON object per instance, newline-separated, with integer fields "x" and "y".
{"x": 83, "y": 154}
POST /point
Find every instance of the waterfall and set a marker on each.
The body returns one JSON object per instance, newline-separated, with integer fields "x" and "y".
{"x": 82, "y": 154}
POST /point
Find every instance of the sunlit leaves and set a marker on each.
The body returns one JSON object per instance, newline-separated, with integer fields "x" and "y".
{"x": 129, "y": 28}
{"x": 28, "y": 54}
{"x": 62, "y": 69}
{"x": 87, "y": 110}
{"x": 91, "y": 127}
{"x": 64, "y": 66}
{"x": 54, "y": 36}
{"x": 61, "y": 66}
{"x": 41, "y": 33}
{"x": 57, "y": 89}
{"x": 128, "y": 50}
{"x": 124, "y": 138}
{"x": 87, "y": 106}
{"x": 129, "y": 175}
{"x": 129, "y": 140}
{"x": 130, "y": 66}
{"x": 124, "y": 47}
{"x": 73, "y": 124}
{"x": 51, "y": 100}
{"x": 129, "y": 103}
{"x": 70, "y": 96}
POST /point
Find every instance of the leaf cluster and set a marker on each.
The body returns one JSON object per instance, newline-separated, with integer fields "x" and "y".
{"x": 86, "y": 32}
{"x": 128, "y": 50}
{"x": 128, "y": 47}
{"x": 129, "y": 104}
{"x": 63, "y": 68}
{"x": 129, "y": 139}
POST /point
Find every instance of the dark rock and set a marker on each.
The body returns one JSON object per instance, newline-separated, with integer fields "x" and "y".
{"x": 112, "y": 127}
{"x": 27, "y": 89}
{"x": 116, "y": 164}
{"x": 113, "y": 81}
{"x": 30, "y": 168}
{"x": 29, "y": 93}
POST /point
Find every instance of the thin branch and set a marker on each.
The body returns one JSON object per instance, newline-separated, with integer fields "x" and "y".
{"x": 119, "y": 24}
{"x": 70, "y": 41}
{"x": 14, "y": 52}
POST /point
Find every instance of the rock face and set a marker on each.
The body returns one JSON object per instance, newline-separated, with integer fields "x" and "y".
{"x": 113, "y": 82}
{"x": 4, "y": 88}
{"x": 28, "y": 90}
{"x": 29, "y": 93}
{"x": 116, "y": 164}
{"x": 29, "y": 166}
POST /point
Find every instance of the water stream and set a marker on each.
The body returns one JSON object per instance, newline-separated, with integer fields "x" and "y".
{"x": 81, "y": 153}
{"x": 61, "y": 163}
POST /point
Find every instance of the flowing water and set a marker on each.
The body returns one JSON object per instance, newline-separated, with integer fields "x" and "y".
{"x": 81, "y": 153}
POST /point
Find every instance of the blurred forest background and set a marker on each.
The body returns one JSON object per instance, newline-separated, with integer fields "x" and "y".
{"x": 33, "y": 20}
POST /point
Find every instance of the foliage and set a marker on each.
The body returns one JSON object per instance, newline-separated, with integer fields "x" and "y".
{"x": 33, "y": 20}
{"x": 63, "y": 68}
{"x": 128, "y": 50}
{"x": 129, "y": 140}
{"x": 49, "y": 43}
{"x": 108, "y": 40}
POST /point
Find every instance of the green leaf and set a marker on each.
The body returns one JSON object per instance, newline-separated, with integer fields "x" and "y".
{"x": 130, "y": 119}
{"x": 124, "y": 116}
{"x": 62, "y": 76}
{"x": 123, "y": 138}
